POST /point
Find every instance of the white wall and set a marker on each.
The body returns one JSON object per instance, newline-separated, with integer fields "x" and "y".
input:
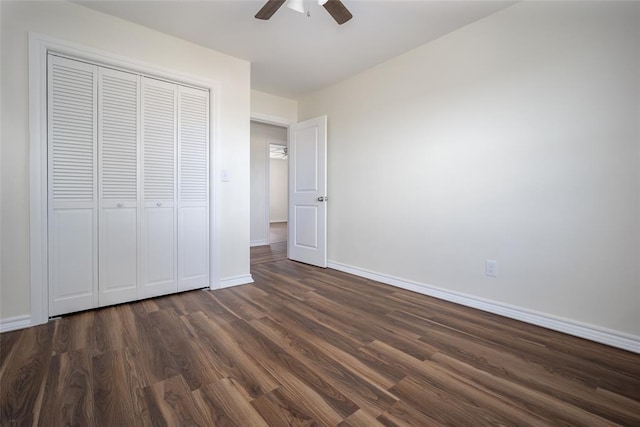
{"x": 268, "y": 108}
{"x": 85, "y": 27}
{"x": 516, "y": 139}
{"x": 278, "y": 190}
{"x": 261, "y": 134}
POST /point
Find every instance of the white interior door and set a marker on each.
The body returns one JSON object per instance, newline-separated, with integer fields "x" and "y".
{"x": 193, "y": 188}
{"x": 72, "y": 185}
{"x": 118, "y": 186}
{"x": 308, "y": 192}
{"x": 159, "y": 222}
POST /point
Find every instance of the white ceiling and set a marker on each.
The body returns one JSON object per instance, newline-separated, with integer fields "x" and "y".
{"x": 292, "y": 54}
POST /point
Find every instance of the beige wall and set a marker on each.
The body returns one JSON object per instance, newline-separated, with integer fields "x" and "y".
{"x": 269, "y": 107}
{"x": 76, "y": 24}
{"x": 516, "y": 139}
{"x": 261, "y": 134}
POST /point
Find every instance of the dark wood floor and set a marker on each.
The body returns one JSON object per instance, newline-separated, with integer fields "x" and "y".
{"x": 305, "y": 346}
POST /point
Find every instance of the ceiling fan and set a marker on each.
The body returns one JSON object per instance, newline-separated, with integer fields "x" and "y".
{"x": 336, "y": 9}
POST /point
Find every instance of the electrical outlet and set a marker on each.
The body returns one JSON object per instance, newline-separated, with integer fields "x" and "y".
{"x": 491, "y": 268}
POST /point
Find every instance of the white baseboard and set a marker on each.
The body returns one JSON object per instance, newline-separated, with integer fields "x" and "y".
{"x": 15, "y": 322}
{"x": 235, "y": 281}
{"x": 583, "y": 330}
{"x": 262, "y": 242}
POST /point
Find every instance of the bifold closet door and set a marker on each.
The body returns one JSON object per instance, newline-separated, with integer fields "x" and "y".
{"x": 159, "y": 220}
{"x": 118, "y": 186}
{"x": 72, "y": 185}
{"x": 193, "y": 188}
{"x": 128, "y": 186}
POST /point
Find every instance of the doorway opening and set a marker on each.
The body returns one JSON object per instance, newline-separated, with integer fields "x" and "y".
{"x": 269, "y": 185}
{"x": 306, "y": 154}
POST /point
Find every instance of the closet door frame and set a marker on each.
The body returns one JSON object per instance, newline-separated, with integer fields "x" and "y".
{"x": 39, "y": 47}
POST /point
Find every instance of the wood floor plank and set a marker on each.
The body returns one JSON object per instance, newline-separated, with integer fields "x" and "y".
{"x": 573, "y": 368}
{"x": 280, "y": 292}
{"x": 207, "y": 363}
{"x": 230, "y": 358}
{"x": 611, "y": 359}
{"x": 292, "y": 388}
{"x": 223, "y": 404}
{"x": 363, "y": 390}
{"x": 361, "y": 418}
{"x": 445, "y": 384}
{"x": 404, "y": 415}
{"x": 289, "y": 370}
{"x": 70, "y": 387}
{"x": 73, "y": 334}
{"x": 117, "y": 389}
{"x": 171, "y": 403}
{"x": 531, "y": 368}
{"x": 403, "y": 340}
{"x": 533, "y": 376}
{"x": 447, "y": 408}
{"x": 304, "y": 346}
{"x": 213, "y": 307}
{"x": 329, "y": 331}
{"x": 7, "y": 344}
{"x": 241, "y": 307}
{"x": 175, "y": 341}
{"x": 368, "y": 304}
{"x": 107, "y": 331}
{"x": 279, "y": 410}
{"x": 23, "y": 373}
{"x": 555, "y": 411}
{"x": 150, "y": 305}
{"x": 155, "y": 360}
{"x": 482, "y": 326}
{"x": 128, "y": 314}
{"x": 377, "y": 372}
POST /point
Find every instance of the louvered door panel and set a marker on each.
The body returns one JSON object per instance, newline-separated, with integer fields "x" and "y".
{"x": 72, "y": 129}
{"x": 118, "y": 135}
{"x": 72, "y": 185}
{"x": 159, "y": 228}
{"x": 193, "y": 138}
{"x": 159, "y": 126}
{"x": 118, "y": 177}
{"x": 193, "y": 188}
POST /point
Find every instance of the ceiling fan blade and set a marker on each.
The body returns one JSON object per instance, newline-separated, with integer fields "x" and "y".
{"x": 339, "y": 11}
{"x": 269, "y": 8}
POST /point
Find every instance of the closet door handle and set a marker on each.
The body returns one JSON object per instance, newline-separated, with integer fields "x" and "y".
{"x": 119, "y": 205}
{"x": 158, "y": 204}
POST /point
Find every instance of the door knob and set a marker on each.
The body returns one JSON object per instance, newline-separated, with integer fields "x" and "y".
{"x": 322, "y": 199}
{"x": 119, "y": 205}
{"x": 158, "y": 204}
